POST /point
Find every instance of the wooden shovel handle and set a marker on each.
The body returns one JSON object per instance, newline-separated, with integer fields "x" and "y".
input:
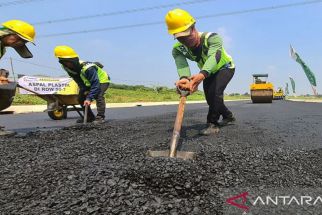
{"x": 177, "y": 127}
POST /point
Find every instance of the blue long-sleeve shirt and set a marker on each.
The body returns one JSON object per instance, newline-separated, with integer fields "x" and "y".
{"x": 91, "y": 75}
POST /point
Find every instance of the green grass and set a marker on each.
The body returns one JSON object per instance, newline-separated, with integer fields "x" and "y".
{"x": 28, "y": 100}
{"x": 236, "y": 97}
{"x": 125, "y": 93}
{"x": 142, "y": 95}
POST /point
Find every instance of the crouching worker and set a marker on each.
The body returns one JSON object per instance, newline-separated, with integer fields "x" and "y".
{"x": 216, "y": 66}
{"x": 91, "y": 79}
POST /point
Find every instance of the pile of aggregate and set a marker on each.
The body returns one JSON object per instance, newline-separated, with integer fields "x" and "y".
{"x": 103, "y": 169}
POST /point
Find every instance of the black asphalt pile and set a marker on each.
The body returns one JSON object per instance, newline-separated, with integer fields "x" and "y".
{"x": 103, "y": 169}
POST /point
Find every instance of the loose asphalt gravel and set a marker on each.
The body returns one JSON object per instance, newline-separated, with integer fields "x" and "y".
{"x": 103, "y": 169}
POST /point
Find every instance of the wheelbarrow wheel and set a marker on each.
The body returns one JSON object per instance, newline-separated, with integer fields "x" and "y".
{"x": 58, "y": 114}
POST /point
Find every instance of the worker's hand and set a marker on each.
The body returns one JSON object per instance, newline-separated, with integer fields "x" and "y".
{"x": 183, "y": 84}
{"x": 87, "y": 103}
{"x": 195, "y": 81}
{"x": 4, "y": 80}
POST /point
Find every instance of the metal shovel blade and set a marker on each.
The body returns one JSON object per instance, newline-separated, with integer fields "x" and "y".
{"x": 179, "y": 154}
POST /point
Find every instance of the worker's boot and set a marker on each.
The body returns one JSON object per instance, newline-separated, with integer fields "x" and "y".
{"x": 5, "y": 133}
{"x": 210, "y": 130}
{"x": 227, "y": 120}
{"x": 99, "y": 120}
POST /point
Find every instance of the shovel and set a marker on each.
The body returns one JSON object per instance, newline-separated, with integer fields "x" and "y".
{"x": 175, "y": 137}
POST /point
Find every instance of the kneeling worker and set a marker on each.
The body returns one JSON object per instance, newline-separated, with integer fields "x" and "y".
{"x": 216, "y": 66}
{"x": 91, "y": 79}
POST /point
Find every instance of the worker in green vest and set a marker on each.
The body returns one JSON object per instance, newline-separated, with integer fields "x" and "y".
{"x": 216, "y": 66}
{"x": 15, "y": 34}
{"x": 92, "y": 80}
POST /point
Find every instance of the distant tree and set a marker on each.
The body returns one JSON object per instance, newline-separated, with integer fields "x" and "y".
{"x": 159, "y": 89}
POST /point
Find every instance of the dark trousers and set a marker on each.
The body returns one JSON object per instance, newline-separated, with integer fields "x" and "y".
{"x": 100, "y": 102}
{"x": 214, "y": 87}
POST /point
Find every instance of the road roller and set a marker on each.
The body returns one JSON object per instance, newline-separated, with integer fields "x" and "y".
{"x": 279, "y": 94}
{"x": 261, "y": 91}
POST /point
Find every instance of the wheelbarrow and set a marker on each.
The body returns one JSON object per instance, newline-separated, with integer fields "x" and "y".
{"x": 7, "y": 93}
{"x": 59, "y": 105}
{"x": 7, "y": 90}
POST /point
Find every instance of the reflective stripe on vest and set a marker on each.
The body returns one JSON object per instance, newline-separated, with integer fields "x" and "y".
{"x": 224, "y": 59}
{"x": 102, "y": 75}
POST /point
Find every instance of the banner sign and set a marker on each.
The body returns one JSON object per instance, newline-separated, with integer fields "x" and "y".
{"x": 48, "y": 85}
{"x": 286, "y": 89}
{"x": 293, "y": 84}
{"x": 309, "y": 74}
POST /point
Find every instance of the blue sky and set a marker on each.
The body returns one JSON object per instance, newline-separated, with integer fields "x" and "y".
{"x": 258, "y": 42}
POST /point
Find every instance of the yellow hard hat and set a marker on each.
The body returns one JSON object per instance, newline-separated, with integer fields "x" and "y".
{"x": 23, "y": 29}
{"x": 178, "y": 20}
{"x": 65, "y": 52}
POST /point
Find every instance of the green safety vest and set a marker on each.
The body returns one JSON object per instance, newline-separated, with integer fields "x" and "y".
{"x": 102, "y": 74}
{"x": 224, "y": 60}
